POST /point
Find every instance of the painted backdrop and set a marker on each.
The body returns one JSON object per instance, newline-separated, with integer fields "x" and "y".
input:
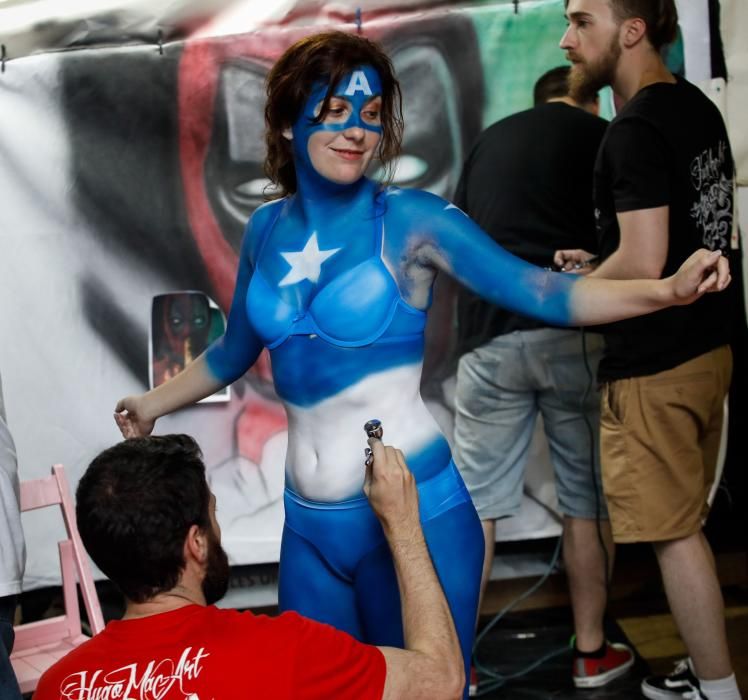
{"x": 128, "y": 175}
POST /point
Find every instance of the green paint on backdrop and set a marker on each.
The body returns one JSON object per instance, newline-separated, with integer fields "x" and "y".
{"x": 518, "y": 47}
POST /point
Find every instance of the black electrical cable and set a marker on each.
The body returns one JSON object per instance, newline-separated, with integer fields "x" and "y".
{"x": 497, "y": 680}
{"x": 590, "y": 431}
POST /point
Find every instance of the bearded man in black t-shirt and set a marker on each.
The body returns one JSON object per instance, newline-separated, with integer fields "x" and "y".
{"x": 663, "y": 188}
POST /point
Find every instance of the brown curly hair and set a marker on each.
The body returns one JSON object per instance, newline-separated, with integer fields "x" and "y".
{"x": 328, "y": 56}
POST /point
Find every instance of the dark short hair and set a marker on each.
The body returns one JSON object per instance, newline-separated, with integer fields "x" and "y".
{"x": 328, "y": 57}
{"x": 660, "y": 16}
{"x": 134, "y": 507}
{"x": 553, "y": 83}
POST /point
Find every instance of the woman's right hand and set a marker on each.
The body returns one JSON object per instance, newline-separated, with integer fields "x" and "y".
{"x": 131, "y": 418}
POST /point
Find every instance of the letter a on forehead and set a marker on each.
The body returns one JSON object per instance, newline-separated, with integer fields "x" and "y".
{"x": 358, "y": 83}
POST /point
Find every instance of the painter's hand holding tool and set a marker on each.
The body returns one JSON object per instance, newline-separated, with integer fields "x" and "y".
{"x": 390, "y": 487}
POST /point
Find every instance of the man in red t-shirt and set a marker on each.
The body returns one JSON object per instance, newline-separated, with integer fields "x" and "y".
{"x": 147, "y": 518}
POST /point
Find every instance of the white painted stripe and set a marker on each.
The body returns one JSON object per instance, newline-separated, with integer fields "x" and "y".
{"x": 326, "y": 442}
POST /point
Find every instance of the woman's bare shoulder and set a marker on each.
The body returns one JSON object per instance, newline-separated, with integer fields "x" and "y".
{"x": 259, "y": 223}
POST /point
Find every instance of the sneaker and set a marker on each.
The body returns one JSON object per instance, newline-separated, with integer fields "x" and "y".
{"x": 593, "y": 673}
{"x": 681, "y": 683}
{"x": 473, "y": 684}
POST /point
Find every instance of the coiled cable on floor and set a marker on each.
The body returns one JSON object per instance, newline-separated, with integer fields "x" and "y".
{"x": 496, "y": 679}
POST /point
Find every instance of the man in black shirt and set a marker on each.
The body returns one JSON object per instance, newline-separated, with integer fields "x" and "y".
{"x": 663, "y": 188}
{"x": 528, "y": 183}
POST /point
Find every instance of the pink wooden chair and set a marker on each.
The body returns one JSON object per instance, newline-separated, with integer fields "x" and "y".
{"x": 39, "y": 644}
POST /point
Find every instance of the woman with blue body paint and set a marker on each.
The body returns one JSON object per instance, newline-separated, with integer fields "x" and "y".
{"x": 335, "y": 278}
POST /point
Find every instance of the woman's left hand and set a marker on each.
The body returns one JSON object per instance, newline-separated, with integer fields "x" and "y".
{"x": 704, "y": 271}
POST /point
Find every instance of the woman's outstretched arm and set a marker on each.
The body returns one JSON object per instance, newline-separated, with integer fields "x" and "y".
{"x": 441, "y": 236}
{"x": 594, "y": 299}
{"x": 225, "y": 361}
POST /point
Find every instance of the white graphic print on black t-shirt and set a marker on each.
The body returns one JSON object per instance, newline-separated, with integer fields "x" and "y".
{"x": 667, "y": 148}
{"x": 712, "y": 210}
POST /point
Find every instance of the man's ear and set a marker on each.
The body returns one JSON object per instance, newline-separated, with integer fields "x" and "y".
{"x": 196, "y": 545}
{"x": 633, "y": 31}
{"x": 287, "y": 133}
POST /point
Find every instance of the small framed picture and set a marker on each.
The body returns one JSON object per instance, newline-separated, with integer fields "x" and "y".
{"x": 183, "y": 325}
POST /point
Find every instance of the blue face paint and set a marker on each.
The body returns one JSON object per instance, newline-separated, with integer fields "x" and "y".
{"x": 358, "y": 88}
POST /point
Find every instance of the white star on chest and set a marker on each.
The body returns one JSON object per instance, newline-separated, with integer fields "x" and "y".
{"x": 307, "y": 263}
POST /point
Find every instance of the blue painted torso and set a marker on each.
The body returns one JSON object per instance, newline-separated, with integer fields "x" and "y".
{"x": 360, "y": 306}
{"x": 345, "y": 332}
{"x": 339, "y": 296}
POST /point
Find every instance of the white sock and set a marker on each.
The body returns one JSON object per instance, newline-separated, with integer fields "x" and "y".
{"x": 721, "y": 689}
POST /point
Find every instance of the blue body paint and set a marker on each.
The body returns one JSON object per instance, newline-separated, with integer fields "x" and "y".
{"x": 335, "y": 280}
{"x": 354, "y": 572}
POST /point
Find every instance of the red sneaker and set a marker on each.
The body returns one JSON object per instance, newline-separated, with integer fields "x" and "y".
{"x": 593, "y": 673}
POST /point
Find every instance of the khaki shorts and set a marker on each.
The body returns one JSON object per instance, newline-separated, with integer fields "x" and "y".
{"x": 659, "y": 442}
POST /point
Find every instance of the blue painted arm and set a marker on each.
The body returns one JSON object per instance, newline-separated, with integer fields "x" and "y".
{"x": 231, "y": 355}
{"x": 441, "y": 235}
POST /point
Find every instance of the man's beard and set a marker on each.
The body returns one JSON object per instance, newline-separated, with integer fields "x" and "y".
{"x": 587, "y": 79}
{"x": 216, "y": 581}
